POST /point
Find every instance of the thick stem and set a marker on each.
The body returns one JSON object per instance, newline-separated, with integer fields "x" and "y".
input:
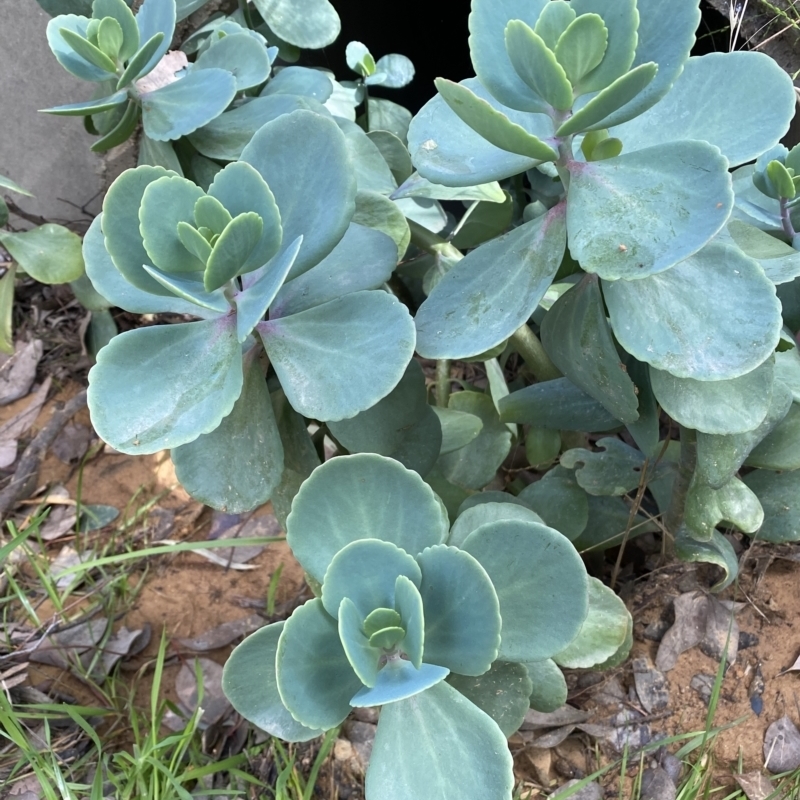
{"x": 527, "y": 344}
{"x": 245, "y": 9}
{"x": 680, "y": 489}
{"x": 786, "y": 219}
{"x": 442, "y": 382}
{"x": 366, "y": 107}
{"x": 428, "y": 241}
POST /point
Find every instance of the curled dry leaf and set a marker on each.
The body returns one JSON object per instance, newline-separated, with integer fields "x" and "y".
{"x": 11, "y": 431}
{"x": 18, "y": 372}
{"x": 122, "y": 644}
{"x": 722, "y": 630}
{"x": 68, "y": 557}
{"x": 222, "y": 635}
{"x": 757, "y": 786}
{"x": 61, "y": 519}
{"x": 691, "y": 610}
{"x": 164, "y": 72}
{"x": 214, "y": 703}
{"x": 72, "y": 443}
{"x": 62, "y": 648}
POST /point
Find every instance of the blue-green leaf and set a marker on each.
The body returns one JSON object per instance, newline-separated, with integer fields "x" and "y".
{"x": 473, "y": 517}
{"x": 370, "y": 358}
{"x": 777, "y": 492}
{"x": 192, "y": 290}
{"x": 118, "y": 10}
{"x": 462, "y": 612}
{"x": 158, "y": 154}
{"x": 780, "y": 449}
{"x": 156, "y": 16}
{"x": 576, "y": 336}
{"x": 477, "y": 763}
{"x": 536, "y": 624}
{"x": 140, "y": 61}
{"x": 240, "y": 54}
{"x": 402, "y": 425}
{"x": 560, "y": 502}
{"x": 512, "y": 272}
{"x": 614, "y": 469}
{"x": 186, "y": 105}
{"x": 780, "y": 261}
{"x": 160, "y": 387}
{"x": 165, "y": 203}
{"x": 49, "y": 253}
{"x": 252, "y": 664}
{"x": 371, "y": 170}
{"x": 603, "y": 631}
{"x": 502, "y": 693}
{"x": 662, "y": 318}
{"x": 233, "y": 249}
{"x": 558, "y": 404}
{"x": 734, "y": 406}
{"x": 303, "y": 81}
{"x": 487, "y": 46}
{"x": 345, "y": 500}
{"x": 309, "y": 24}
{"x": 474, "y": 465}
{"x": 408, "y": 603}
{"x": 549, "y": 686}
{"x": 610, "y": 518}
{"x": 89, "y": 106}
{"x": 315, "y": 679}
{"x": 446, "y": 150}
{"x": 583, "y": 44}
{"x": 734, "y": 503}
{"x": 711, "y": 98}
{"x": 362, "y": 656}
{"x": 399, "y": 680}
{"x": 459, "y": 428}
{"x": 253, "y": 302}
{"x": 718, "y": 551}
{"x": 553, "y": 21}
{"x": 225, "y": 137}
{"x": 245, "y": 451}
{"x": 296, "y": 151}
{"x": 110, "y": 283}
{"x": 334, "y": 276}
{"x": 366, "y": 571}
{"x": 617, "y": 222}
{"x": 66, "y": 55}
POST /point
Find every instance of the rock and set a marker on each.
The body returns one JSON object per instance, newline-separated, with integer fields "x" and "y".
{"x": 747, "y": 639}
{"x": 782, "y": 746}
{"x": 657, "y": 785}
{"x": 691, "y": 610}
{"x": 651, "y": 686}
{"x": 703, "y": 684}
{"x": 655, "y": 630}
{"x": 343, "y": 750}
{"x": 591, "y": 791}
{"x": 362, "y": 737}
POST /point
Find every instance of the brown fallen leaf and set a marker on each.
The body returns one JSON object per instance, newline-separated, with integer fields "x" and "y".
{"x": 18, "y": 372}
{"x": 757, "y": 786}
{"x": 12, "y": 430}
{"x": 566, "y": 715}
{"x": 215, "y": 705}
{"x": 72, "y": 443}
{"x": 691, "y": 611}
{"x": 223, "y": 634}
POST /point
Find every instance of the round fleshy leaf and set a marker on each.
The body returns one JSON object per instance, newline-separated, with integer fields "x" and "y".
{"x": 477, "y": 763}
{"x": 557, "y": 404}
{"x": 512, "y": 272}
{"x": 582, "y": 45}
{"x": 153, "y": 17}
{"x": 576, "y": 336}
{"x": 474, "y": 465}
{"x": 368, "y": 335}
{"x": 408, "y": 602}
{"x": 163, "y": 386}
{"x": 622, "y": 21}
{"x": 549, "y": 690}
{"x": 559, "y": 500}
{"x": 661, "y": 319}
{"x": 398, "y": 69}
{"x": 555, "y": 18}
{"x": 308, "y": 24}
{"x": 186, "y": 105}
{"x": 375, "y": 211}
{"x": 398, "y": 680}
{"x": 166, "y": 202}
{"x": 49, "y": 253}
{"x": 617, "y": 223}
{"x": 241, "y": 189}
{"x": 232, "y": 250}
{"x": 777, "y": 492}
{"x": 304, "y": 81}
{"x": 120, "y": 225}
{"x": 459, "y": 428}
{"x": 462, "y": 614}
{"x": 735, "y": 406}
{"x": 252, "y": 664}
{"x": 366, "y": 571}
{"x": 296, "y": 151}
{"x": 110, "y": 283}
{"x": 362, "y": 656}
{"x": 119, "y": 11}
{"x": 487, "y": 45}
{"x": 65, "y": 53}
{"x": 502, "y": 693}
{"x": 345, "y": 500}
{"x": 334, "y": 276}
{"x": 245, "y": 450}
{"x": 708, "y": 101}
{"x": 780, "y": 261}
{"x": 315, "y": 679}
{"x": 610, "y": 518}
{"x": 543, "y": 590}
{"x": 734, "y": 503}
{"x": 402, "y": 425}
{"x": 191, "y": 289}
{"x": 226, "y": 136}
{"x": 371, "y": 170}
{"x": 446, "y": 150}
{"x": 780, "y": 450}
{"x": 475, "y": 516}
{"x": 718, "y": 551}
{"x": 240, "y": 54}
{"x": 602, "y": 633}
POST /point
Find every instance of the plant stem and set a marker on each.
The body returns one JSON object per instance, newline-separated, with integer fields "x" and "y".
{"x": 786, "y": 219}
{"x": 428, "y": 241}
{"x": 442, "y": 382}
{"x": 680, "y": 489}
{"x": 366, "y": 107}
{"x": 527, "y": 344}
{"x": 245, "y": 9}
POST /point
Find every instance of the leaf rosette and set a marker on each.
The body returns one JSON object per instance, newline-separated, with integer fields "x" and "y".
{"x": 442, "y": 635}
{"x": 267, "y": 263}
